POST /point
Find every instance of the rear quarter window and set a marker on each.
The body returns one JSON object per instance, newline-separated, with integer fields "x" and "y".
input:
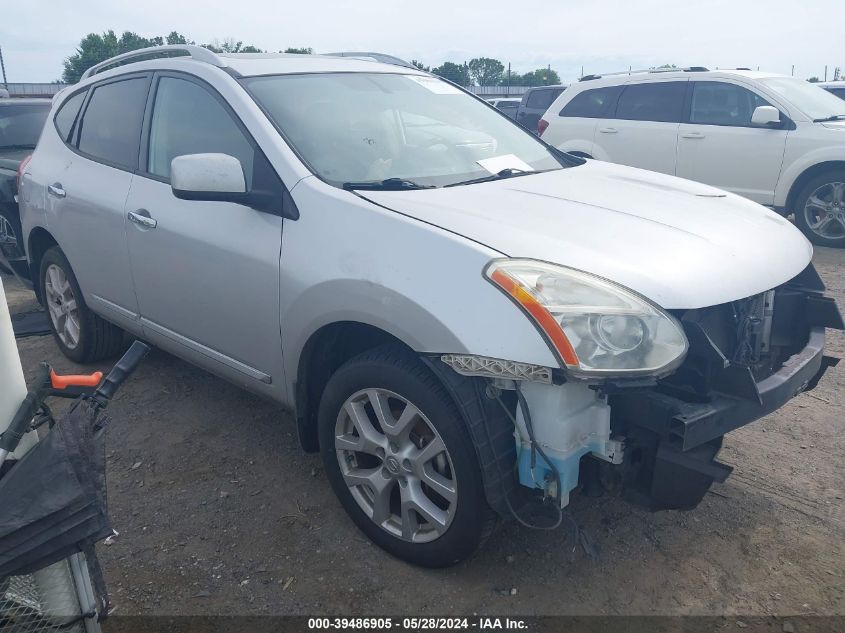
{"x": 67, "y": 114}
{"x": 591, "y": 104}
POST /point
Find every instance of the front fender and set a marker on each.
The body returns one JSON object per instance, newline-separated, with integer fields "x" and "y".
{"x": 803, "y": 162}
{"x": 348, "y": 259}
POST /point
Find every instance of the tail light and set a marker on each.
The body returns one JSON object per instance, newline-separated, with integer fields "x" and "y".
{"x": 542, "y": 124}
{"x": 21, "y": 167}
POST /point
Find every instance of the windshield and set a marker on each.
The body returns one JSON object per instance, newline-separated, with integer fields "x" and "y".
{"x": 413, "y": 130}
{"x": 813, "y": 101}
{"x": 20, "y": 125}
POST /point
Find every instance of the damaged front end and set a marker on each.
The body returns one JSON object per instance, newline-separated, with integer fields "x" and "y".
{"x": 655, "y": 437}
{"x": 746, "y": 359}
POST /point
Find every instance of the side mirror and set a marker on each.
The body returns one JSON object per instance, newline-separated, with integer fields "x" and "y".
{"x": 208, "y": 177}
{"x": 766, "y": 116}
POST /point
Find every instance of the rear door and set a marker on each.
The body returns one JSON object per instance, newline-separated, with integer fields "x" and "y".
{"x": 207, "y": 274}
{"x": 86, "y": 194}
{"x": 642, "y": 129}
{"x": 719, "y": 146}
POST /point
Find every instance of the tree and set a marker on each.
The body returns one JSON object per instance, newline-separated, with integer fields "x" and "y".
{"x": 230, "y": 45}
{"x": 300, "y": 51}
{"x": 95, "y": 48}
{"x": 814, "y": 80}
{"x": 486, "y": 71}
{"x": 420, "y": 65}
{"x": 458, "y": 73}
{"x": 539, "y": 77}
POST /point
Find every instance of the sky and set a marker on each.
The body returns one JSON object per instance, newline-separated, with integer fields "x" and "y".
{"x": 600, "y": 35}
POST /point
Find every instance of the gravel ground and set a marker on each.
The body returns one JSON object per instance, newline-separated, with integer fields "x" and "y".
{"x": 219, "y": 512}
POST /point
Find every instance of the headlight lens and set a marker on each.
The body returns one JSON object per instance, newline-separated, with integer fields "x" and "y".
{"x": 596, "y": 327}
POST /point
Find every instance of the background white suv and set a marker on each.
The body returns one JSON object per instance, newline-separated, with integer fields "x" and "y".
{"x": 777, "y": 140}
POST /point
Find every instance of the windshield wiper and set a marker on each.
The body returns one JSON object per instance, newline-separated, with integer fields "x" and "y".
{"x": 18, "y": 146}
{"x": 832, "y": 117}
{"x": 505, "y": 173}
{"x": 390, "y": 184}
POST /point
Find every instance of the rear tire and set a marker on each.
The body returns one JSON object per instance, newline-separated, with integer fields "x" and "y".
{"x": 401, "y": 471}
{"x": 81, "y": 335}
{"x": 820, "y": 209}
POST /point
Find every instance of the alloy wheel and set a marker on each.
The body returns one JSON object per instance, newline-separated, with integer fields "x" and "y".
{"x": 62, "y": 306}
{"x": 824, "y": 210}
{"x": 396, "y": 465}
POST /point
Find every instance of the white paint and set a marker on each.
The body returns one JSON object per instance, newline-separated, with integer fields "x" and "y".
{"x": 12, "y": 384}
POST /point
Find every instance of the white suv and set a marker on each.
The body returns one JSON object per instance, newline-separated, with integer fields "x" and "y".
{"x": 460, "y": 315}
{"x": 777, "y": 140}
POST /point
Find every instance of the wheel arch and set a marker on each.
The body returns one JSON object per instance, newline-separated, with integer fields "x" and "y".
{"x": 322, "y": 355}
{"x": 39, "y": 242}
{"x": 805, "y": 177}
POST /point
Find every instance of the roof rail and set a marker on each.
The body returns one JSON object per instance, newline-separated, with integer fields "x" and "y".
{"x": 189, "y": 50}
{"x": 688, "y": 69}
{"x": 374, "y": 57}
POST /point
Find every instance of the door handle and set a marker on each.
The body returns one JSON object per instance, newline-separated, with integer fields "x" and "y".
{"x": 692, "y": 135}
{"x": 56, "y": 190}
{"x": 608, "y": 130}
{"x": 142, "y": 218}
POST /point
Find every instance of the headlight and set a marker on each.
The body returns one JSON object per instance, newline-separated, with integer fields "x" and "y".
{"x": 596, "y": 327}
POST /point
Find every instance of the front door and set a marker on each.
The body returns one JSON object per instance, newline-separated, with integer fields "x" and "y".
{"x": 720, "y": 147}
{"x": 206, "y": 273}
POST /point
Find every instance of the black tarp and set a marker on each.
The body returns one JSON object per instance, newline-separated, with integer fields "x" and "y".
{"x": 53, "y": 500}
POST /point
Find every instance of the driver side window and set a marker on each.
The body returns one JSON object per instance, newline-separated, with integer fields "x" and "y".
{"x": 720, "y": 103}
{"x": 187, "y": 119}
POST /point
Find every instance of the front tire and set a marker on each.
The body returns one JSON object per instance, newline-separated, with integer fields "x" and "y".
{"x": 400, "y": 460}
{"x": 81, "y": 335}
{"x": 820, "y": 209}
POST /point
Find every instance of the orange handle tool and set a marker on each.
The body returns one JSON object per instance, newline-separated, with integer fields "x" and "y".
{"x": 63, "y": 382}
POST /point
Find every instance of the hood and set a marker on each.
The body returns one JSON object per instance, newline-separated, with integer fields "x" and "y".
{"x": 681, "y": 244}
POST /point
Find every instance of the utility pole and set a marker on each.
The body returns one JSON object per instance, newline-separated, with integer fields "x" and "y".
{"x": 508, "y": 92}
{"x": 793, "y": 70}
{"x": 3, "y": 68}
{"x": 825, "y": 72}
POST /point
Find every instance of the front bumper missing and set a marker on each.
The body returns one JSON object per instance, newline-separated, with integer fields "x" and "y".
{"x": 696, "y": 423}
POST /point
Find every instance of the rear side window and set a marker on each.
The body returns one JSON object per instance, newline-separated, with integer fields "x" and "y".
{"x": 542, "y": 98}
{"x": 720, "y": 103}
{"x": 67, "y": 114}
{"x": 662, "y": 102}
{"x": 111, "y": 125}
{"x": 839, "y": 92}
{"x": 187, "y": 119}
{"x": 591, "y": 104}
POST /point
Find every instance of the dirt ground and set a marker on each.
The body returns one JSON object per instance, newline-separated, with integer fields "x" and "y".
{"x": 220, "y": 512}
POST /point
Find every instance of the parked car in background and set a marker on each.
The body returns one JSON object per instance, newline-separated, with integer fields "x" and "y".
{"x": 776, "y": 140}
{"x": 508, "y": 105}
{"x": 21, "y": 121}
{"x": 834, "y": 87}
{"x": 457, "y": 325}
{"x": 534, "y": 103}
